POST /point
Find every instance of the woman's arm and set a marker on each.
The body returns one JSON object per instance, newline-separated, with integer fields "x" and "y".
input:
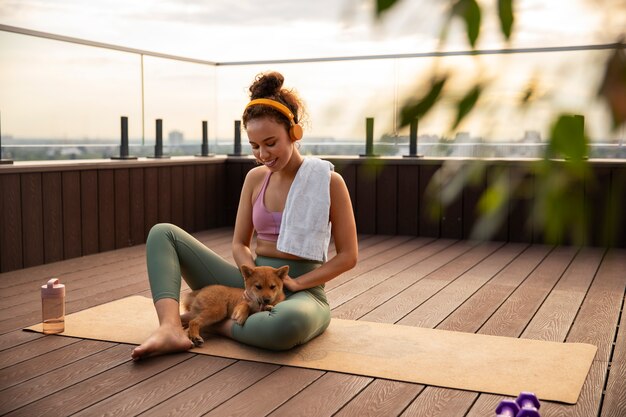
{"x": 344, "y": 234}
{"x": 243, "y": 223}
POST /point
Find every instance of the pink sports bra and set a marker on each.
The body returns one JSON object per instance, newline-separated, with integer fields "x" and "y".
{"x": 266, "y": 223}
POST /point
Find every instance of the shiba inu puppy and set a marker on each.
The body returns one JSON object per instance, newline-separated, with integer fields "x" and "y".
{"x": 214, "y": 303}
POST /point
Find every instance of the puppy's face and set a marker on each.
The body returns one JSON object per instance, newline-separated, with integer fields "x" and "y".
{"x": 264, "y": 283}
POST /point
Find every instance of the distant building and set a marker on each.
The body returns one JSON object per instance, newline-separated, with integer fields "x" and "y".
{"x": 531, "y": 136}
{"x": 176, "y": 138}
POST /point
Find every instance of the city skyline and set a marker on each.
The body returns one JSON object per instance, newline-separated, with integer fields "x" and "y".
{"x": 77, "y": 91}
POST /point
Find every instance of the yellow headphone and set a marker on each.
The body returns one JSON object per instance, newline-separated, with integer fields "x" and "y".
{"x": 295, "y": 131}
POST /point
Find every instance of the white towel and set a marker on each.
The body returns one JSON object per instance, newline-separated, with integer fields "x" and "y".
{"x": 305, "y": 226}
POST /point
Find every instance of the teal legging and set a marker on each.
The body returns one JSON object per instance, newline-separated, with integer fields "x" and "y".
{"x": 171, "y": 253}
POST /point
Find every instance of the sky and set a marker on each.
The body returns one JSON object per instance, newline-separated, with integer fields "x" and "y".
{"x": 76, "y": 91}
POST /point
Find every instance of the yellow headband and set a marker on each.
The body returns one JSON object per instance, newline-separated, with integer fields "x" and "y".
{"x": 296, "y": 131}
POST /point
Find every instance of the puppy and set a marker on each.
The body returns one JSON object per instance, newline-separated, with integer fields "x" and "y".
{"x": 214, "y": 303}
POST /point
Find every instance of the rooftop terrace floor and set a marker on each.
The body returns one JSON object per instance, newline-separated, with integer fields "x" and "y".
{"x": 509, "y": 289}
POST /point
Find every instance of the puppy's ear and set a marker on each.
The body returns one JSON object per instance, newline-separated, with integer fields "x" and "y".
{"x": 282, "y": 271}
{"x": 246, "y": 271}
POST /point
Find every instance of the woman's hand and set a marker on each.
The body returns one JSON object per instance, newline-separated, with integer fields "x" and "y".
{"x": 291, "y": 284}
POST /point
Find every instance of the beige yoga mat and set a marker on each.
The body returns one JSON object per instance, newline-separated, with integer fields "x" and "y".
{"x": 467, "y": 361}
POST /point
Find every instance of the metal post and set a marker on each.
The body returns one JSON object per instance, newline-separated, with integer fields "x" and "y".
{"x": 3, "y": 161}
{"x": 237, "y": 150}
{"x": 369, "y": 137}
{"x": 124, "y": 141}
{"x": 205, "y": 140}
{"x": 413, "y": 141}
{"x": 158, "y": 146}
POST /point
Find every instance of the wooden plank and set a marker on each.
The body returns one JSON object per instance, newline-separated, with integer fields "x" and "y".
{"x": 428, "y": 226}
{"x": 234, "y": 181}
{"x": 122, "y": 208}
{"x": 200, "y": 210}
{"x": 472, "y": 193}
{"x": 413, "y": 288}
{"x": 324, "y": 397}
{"x": 365, "y": 212}
{"x": 70, "y": 389}
{"x": 219, "y": 195}
{"x": 189, "y": 196}
{"x": 72, "y": 247}
{"x": 106, "y": 209}
{"x": 11, "y": 255}
{"x": 261, "y": 398}
{"x": 137, "y": 207}
{"x": 348, "y": 173}
{"x": 378, "y": 269}
{"x": 16, "y": 338}
{"x": 177, "y": 196}
{"x": 144, "y": 395}
{"x": 32, "y": 219}
{"x": 52, "y": 216}
{"x": 370, "y": 253}
{"x": 521, "y": 205}
{"x": 164, "y": 202}
{"x": 451, "y": 221}
{"x": 55, "y": 359}
{"x": 553, "y": 321}
{"x": 438, "y": 402}
{"x": 408, "y": 199}
{"x": 499, "y": 175}
{"x": 212, "y": 196}
{"x": 615, "y": 400}
{"x": 381, "y": 398}
{"x": 386, "y": 199}
{"x": 478, "y": 265}
{"x": 23, "y": 352}
{"x": 393, "y": 278}
{"x": 596, "y": 323}
{"x": 513, "y": 315}
{"x": 448, "y": 404}
{"x": 618, "y": 201}
{"x": 150, "y": 197}
{"x": 214, "y": 390}
{"x": 481, "y": 305}
{"x": 90, "y": 233}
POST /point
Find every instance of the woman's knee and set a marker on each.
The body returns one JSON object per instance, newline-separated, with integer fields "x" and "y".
{"x": 161, "y": 230}
{"x": 295, "y": 327}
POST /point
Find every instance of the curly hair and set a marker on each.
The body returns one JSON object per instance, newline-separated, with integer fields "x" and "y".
{"x": 270, "y": 85}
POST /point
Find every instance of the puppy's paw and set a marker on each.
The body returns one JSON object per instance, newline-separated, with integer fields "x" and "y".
{"x": 268, "y": 307}
{"x": 239, "y": 316}
{"x": 197, "y": 341}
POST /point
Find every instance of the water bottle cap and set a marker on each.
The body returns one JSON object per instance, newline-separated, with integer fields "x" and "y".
{"x": 53, "y": 289}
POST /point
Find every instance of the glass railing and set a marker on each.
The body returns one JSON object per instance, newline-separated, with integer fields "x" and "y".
{"x": 61, "y": 99}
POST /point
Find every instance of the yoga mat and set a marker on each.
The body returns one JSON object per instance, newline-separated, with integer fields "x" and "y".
{"x": 493, "y": 364}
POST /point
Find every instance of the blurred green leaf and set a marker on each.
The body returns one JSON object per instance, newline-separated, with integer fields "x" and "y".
{"x": 568, "y": 140}
{"x": 505, "y": 12}
{"x": 420, "y": 107}
{"x": 383, "y": 5}
{"x": 613, "y": 86}
{"x": 469, "y": 11}
{"x": 466, "y": 104}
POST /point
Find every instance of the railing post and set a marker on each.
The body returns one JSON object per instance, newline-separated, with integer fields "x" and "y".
{"x": 124, "y": 141}
{"x": 237, "y": 150}
{"x": 3, "y": 161}
{"x": 369, "y": 137}
{"x": 158, "y": 146}
{"x": 204, "y": 151}
{"x": 413, "y": 141}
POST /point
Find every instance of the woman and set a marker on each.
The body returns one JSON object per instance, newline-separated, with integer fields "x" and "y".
{"x": 271, "y": 120}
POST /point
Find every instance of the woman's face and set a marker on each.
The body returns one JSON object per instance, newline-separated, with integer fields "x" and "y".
{"x": 270, "y": 143}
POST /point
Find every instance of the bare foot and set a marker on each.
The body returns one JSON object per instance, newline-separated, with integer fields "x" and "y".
{"x": 166, "y": 339}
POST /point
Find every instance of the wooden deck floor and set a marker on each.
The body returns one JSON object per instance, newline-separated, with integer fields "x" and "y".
{"x": 517, "y": 290}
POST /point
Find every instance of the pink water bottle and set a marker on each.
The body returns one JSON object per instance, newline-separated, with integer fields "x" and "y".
{"x": 53, "y": 307}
